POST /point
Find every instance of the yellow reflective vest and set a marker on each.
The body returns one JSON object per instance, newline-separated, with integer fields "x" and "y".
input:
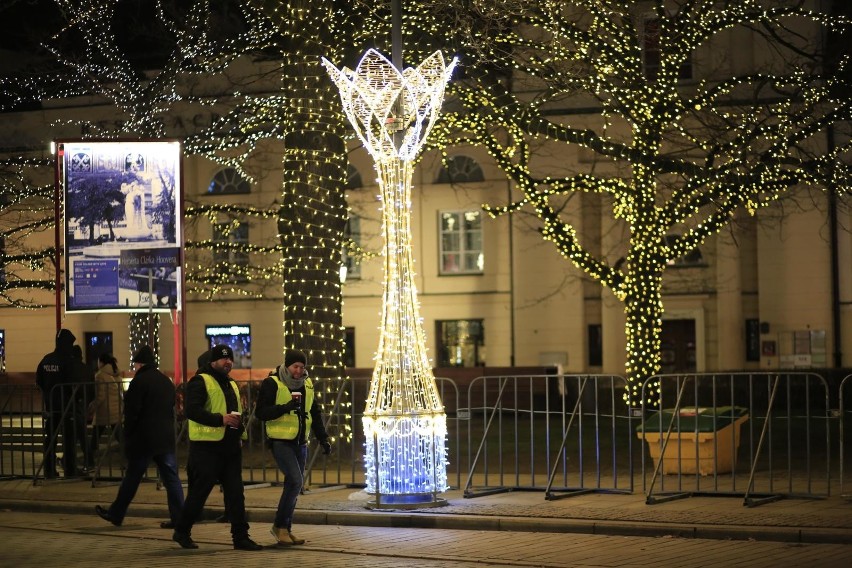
{"x": 216, "y": 404}
{"x": 286, "y": 426}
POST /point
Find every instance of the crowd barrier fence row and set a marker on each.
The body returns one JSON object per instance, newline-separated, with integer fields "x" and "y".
{"x": 758, "y": 436}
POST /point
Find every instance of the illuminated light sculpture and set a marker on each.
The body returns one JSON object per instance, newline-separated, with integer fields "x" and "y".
{"x": 405, "y": 425}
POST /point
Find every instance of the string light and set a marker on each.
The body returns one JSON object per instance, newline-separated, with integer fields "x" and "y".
{"x": 694, "y": 155}
{"x": 26, "y": 214}
{"x": 685, "y": 157}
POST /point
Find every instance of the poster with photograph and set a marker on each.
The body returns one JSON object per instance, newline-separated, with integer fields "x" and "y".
{"x": 121, "y": 201}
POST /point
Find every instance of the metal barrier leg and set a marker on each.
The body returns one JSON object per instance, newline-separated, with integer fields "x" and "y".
{"x": 749, "y": 501}
{"x": 467, "y": 492}
{"x": 649, "y": 498}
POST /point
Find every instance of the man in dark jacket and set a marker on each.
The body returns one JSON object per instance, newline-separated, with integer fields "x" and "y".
{"x": 149, "y": 434}
{"x": 214, "y": 411}
{"x": 54, "y": 371}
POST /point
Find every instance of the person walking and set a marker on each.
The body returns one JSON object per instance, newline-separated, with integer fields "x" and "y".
{"x": 149, "y": 434}
{"x": 214, "y": 411}
{"x": 54, "y": 371}
{"x": 288, "y": 407}
{"x": 105, "y": 410}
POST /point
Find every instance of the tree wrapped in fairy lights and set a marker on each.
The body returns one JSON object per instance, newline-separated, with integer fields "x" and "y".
{"x": 669, "y": 162}
{"x": 26, "y": 212}
{"x": 405, "y": 426}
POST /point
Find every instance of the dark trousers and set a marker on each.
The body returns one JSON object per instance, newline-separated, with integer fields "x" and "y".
{"x": 208, "y": 464}
{"x": 136, "y": 466}
{"x": 54, "y": 424}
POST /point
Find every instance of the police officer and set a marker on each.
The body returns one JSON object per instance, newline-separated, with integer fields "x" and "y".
{"x": 214, "y": 411}
{"x": 55, "y": 370}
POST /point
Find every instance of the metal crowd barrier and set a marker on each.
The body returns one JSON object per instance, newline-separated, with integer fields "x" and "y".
{"x": 842, "y": 413}
{"x": 343, "y": 420}
{"x": 28, "y": 431}
{"x": 562, "y": 435}
{"x": 760, "y": 436}
{"x": 532, "y": 432}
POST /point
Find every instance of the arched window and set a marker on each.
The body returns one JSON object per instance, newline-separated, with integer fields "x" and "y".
{"x": 460, "y": 169}
{"x": 228, "y": 180}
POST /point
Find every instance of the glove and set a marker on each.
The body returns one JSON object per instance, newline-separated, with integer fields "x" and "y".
{"x": 290, "y": 406}
{"x": 326, "y": 447}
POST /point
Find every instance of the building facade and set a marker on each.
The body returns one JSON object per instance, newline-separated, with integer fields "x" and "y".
{"x": 771, "y": 291}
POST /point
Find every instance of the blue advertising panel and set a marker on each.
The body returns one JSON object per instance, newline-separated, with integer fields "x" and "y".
{"x": 96, "y": 283}
{"x": 122, "y": 225}
{"x": 237, "y": 337}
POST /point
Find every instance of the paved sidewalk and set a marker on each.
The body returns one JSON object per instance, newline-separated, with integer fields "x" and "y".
{"x": 789, "y": 520}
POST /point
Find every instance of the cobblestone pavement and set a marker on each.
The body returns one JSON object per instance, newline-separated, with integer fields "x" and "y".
{"x": 42, "y": 539}
{"x": 818, "y": 521}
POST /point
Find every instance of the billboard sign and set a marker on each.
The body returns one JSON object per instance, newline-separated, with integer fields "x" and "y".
{"x": 121, "y": 221}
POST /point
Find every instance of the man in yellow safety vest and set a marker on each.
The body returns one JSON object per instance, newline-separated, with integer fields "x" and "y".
{"x": 213, "y": 408}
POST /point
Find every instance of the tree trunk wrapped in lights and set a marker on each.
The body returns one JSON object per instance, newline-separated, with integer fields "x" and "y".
{"x": 404, "y": 420}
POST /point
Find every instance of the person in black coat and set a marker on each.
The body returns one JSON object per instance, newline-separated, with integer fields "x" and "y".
{"x": 55, "y": 370}
{"x": 149, "y": 434}
{"x": 214, "y": 411}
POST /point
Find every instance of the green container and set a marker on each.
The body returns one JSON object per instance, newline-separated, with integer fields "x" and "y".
{"x": 693, "y": 419}
{"x": 703, "y": 441}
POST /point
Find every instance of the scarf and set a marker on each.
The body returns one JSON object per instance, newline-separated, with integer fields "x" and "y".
{"x": 292, "y": 382}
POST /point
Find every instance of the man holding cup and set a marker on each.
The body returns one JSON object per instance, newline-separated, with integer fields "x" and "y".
{"x": 288, "y": 409}
{"x": 214, "y": 411}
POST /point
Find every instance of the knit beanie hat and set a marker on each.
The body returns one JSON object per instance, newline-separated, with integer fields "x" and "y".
{"x": 221, "y": 352}
{"x": 203, "y": 359}
{"x": 294, "y": 356}
{"x": 145, "y": 355}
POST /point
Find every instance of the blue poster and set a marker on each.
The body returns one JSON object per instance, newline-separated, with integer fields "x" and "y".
{"x": 95, "y": 283}
{"x": 122, "y": 201}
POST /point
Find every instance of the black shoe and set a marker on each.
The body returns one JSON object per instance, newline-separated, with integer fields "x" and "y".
{"x": 246, "y": 544}
{"x": 184, "y": 540}
{"x": 167, "y": 525}
{"x": 104, "y": 514}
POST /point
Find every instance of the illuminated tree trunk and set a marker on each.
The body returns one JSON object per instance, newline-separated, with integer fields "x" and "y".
{"x": 311, "y": 220}
{"x": 642, "y": 288}
{"x": 643, "y": 306}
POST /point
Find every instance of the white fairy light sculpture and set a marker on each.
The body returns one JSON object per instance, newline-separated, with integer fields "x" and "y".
{"x": 405, "y": 425}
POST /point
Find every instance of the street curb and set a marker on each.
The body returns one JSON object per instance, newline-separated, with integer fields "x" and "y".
{"x": 396, "y": 519}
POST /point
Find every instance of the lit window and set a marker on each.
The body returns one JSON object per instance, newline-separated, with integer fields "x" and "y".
{"x": 351, "y": 244}
{"x": 227, "y": 238}
{"x": 460, "y": 169}
{"x": 461, "y": 343}
{"x": 229, "y": 180}
{"x": 461, "y": 242}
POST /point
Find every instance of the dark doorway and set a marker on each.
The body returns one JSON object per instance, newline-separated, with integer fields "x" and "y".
{"x": 677, "y": 346}
{"x": 97, "y": 343}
